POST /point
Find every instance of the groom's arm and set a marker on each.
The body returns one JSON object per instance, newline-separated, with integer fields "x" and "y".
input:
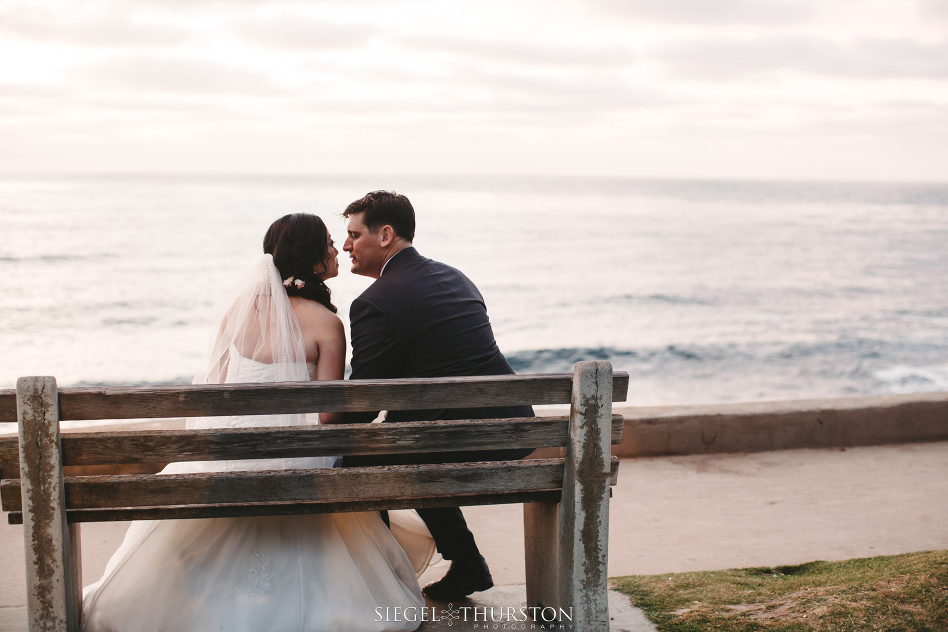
{"x": 376, "y": 350}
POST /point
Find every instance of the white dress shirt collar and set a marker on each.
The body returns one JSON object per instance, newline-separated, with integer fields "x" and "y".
{"x": 389, "y": 259}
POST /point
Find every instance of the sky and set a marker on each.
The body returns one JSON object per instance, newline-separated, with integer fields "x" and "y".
{"x": 757, "y": 89}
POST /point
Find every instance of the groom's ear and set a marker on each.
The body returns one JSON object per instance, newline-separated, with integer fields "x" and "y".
{"x": 387, "y": 236}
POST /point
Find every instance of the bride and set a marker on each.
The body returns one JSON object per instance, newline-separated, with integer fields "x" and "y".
{"x": 326, "y": 572}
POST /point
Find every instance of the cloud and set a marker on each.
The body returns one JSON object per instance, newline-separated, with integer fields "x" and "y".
{"x": 21, "y": 101}
{"x": 228, "y": 5}
{"x": 720, "y": 58}
{"x": 524, "y": 53}
{"x": 88, "y": 29}
{"x": 305, "y": 34}
{"x": 937, "y": 9}
{"x": 525, "y": 82}
{"x": 711, "y": 11}
{"x": 30, "y": 90}
{"x": 592, "y": 92}
{"x": 472, "y": 92}
{"x": 179, "y": 75}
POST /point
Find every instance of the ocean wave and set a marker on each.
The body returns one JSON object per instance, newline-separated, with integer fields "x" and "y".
{"x": 141, "y": 321}
{"x": 53, "y": 258}
{"x": 914, "y": 379}
{"x": 657, "y": 298}
{"x": 860, "y": 358}
{"x": 178, "y": 381}
{"x": 562, "y": 360}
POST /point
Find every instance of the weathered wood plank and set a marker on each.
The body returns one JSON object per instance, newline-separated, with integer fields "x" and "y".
{"x": 328, "y": 396}
{"x": 540, "y": 553}
{"x": 584, "y": 510}
{"x": 51, "y": 571}
{"x": 13, "y": 471}
{"x": 86, "y": 403}
{"x": 164, "y": 446}
{"x": 110, "y": 469}
{"x": 74, "y": 575}
{"x": 7, "y": 406}
{"x": 289, "y": 509}
{"x": 9, "y": 452}
{"x": 315, "y": 485}
{"x": 477, "y": 475}
{"x": 10, "y": 495}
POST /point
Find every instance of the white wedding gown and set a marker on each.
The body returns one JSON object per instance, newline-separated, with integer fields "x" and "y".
{"x": 307, "y": 573}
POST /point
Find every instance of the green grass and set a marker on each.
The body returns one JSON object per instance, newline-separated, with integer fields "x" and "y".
{"x": 900, "y": 593}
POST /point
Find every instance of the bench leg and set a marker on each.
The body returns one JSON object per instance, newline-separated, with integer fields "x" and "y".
{"x": 540, "y": 549}
{"x": 584, "y": 511}
{"x": 73, "y": 573}
{"x": 53, "y": 560}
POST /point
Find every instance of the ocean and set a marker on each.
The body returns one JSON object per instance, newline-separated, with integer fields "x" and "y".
{"x": 704, "y": 291}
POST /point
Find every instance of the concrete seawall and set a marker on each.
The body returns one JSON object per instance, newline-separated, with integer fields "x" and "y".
{"x": 763, "y": 426}
{"x": 780, "y": 425}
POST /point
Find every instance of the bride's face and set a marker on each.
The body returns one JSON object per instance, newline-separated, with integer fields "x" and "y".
{"x": 331, "y": 262}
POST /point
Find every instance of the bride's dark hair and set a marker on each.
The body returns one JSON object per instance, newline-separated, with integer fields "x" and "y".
{"x": 299, "y": 243}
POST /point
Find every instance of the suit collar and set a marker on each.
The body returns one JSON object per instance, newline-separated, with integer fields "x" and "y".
{"x": 400, "y": 258}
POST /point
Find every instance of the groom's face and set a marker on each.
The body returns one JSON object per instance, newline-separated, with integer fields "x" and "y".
{"x": 364, "y": 248}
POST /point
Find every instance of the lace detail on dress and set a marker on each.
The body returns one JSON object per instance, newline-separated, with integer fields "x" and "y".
{"x": 258, "y": 581}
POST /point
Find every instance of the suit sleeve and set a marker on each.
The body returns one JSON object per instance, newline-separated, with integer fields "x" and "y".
{"x": 376, "y": 349}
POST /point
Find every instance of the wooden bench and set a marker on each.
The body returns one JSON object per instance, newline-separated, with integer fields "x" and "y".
{"x": 566, "y": 501}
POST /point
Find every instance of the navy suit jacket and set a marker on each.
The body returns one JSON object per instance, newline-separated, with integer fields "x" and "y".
{"x": 422, "y": 318}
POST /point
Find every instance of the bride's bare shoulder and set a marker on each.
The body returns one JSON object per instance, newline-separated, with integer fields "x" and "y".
{"x": 315, "y": 318}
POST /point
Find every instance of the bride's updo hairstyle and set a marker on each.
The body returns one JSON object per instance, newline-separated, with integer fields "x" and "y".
{"x": 299, "y": 243}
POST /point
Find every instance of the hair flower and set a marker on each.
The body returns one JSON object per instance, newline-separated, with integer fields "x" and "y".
{"x": 299, "y": 283}
{"x": 287, "y": 282}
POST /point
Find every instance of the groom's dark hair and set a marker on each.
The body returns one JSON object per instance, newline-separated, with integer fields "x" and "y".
{"x": 385, "y": 208}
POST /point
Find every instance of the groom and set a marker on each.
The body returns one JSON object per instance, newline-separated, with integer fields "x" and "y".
{"x": 421, "y": 318}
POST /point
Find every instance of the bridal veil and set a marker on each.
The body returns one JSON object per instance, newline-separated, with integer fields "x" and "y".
{"x": 306, "y": 573}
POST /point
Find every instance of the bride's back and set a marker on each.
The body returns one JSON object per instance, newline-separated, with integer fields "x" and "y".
{"x": 322, "y": 331}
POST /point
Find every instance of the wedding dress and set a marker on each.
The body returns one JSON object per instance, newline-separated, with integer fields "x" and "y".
{"x": 323, "y": 572}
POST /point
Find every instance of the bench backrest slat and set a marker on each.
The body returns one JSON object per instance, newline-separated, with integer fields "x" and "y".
{"x": 320, "y": 485}
{"x": 257, "y": 443}
{"x": 164, "y": 446}
{"x": 127, "y": 402}
{"x": 290, "y": 509}
{"x": 7, "y": 406}
{"x": 9, "y": 452}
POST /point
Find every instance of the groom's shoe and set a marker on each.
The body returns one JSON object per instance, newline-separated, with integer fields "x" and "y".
{"x": 463, "y": 578}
